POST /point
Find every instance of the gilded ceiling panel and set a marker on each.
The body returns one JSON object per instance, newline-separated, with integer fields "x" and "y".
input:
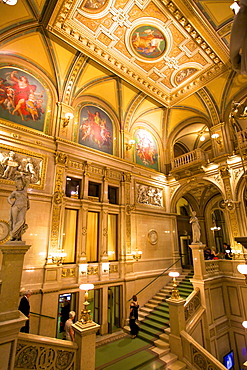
{"x": 151, "y": 44}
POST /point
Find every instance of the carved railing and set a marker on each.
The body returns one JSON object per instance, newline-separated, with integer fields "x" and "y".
{"x": 196, "y": 156}
{"x": 212, "y": 267}
{"x": 242, "y": 138}
{"x": 192, "y": 304}
{"x": 197, "y": 356}
{"x": 36, "y": 352}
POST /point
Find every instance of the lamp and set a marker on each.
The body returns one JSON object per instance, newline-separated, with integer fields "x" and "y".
{"x": 85, "y": 313}
{"x": 243, "y": 270}
{"x": 215, "y": 136}
{"x": 130, "y": 144}
{"x": 244, "y": 323}
{"x": 58, "y": 258}
{"x": 175, "y": 292}
{"x": 137, "y": 254}
{"x": 8, "y": 2}
{"x": 66, "y": 118}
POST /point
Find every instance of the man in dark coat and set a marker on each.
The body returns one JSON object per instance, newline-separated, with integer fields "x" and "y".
{"x": 24, "y": 307}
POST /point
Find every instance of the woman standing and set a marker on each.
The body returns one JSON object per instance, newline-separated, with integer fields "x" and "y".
{"x": 134, "y": 328}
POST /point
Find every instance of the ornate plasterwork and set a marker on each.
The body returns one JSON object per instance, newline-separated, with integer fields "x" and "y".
{"x": 15, "y": 161}
{"x": 150, "y": 195}
{"x": 106, "y": 37}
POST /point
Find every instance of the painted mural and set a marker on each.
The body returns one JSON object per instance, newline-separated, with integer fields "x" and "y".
{"x": 146, "y": 149}
{"x": 23, "y": 99}
{"x": 96, "y": 129}
{"x": 148, "y": 42}
{"x": 93, "y": 5}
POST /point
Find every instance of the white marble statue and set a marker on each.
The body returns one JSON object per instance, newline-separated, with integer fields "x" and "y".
{"x": 19, "y": 205}
{"x": 196, "y": 229}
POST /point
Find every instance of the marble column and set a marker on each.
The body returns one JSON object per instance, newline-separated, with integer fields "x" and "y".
{"x": 177, "y": 324}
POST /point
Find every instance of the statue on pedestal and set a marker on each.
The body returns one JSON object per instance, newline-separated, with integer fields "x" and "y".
{"x": 19, "y": 205}
{"x": 196, "y": 229}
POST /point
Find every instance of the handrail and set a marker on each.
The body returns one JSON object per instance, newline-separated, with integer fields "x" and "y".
{"x": 156, "y": 277}
{"x": 39, "y": 314}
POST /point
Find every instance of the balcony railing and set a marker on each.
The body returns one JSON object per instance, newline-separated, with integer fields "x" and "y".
{"x": 194, "y": 157}
{"x": 242, "y": 138}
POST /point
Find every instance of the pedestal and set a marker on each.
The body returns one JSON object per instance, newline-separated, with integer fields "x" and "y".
{"x": 85, "y": 338}
{"x": 11, "y": 320}
{"x": 198, "y": 260}
{"x": 10, "y": 277}
{"x": 177, "y": 324}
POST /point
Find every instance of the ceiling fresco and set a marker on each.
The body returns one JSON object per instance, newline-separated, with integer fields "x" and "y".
{"x": 165, "y": 48}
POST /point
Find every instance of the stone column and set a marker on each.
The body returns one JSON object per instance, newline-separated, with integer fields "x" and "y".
{"x": 177, "y": 324}
{"x": 11, "y": 320}
{"x": 85, "y": 338}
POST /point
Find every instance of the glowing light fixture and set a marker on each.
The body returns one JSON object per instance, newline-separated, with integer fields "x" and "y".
{"x": 58, "y": 258}
{"x": 244, "y": 323}
{"x": 85, "y": 313}
{"x": 130, "y": 144}
{"x": 66, "y": 118}
{"x": 137, "y": 254}
{"x": 9, "y": 2}
{"x": 243, "y": 270}
{"x": 175, "y": 292}
{"x": 202, "y": 138}
{"x": 215, "y": 136}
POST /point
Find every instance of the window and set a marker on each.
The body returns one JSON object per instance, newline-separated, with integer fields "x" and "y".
{"x": 93, "y": 189}
{"x": 72, "y": 188}
{"x": 112, "y": 237}
{"x": 69, "y": 234}
{"x": 92, "y": 236}
{"x": 113, "y": 195}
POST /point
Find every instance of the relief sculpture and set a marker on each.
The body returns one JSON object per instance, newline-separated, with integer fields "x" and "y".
{"x": 14, "y": 164}
{"x": 149, "y": 195}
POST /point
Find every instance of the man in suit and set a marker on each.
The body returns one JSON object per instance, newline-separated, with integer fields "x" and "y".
{"x": 24, "y": 307}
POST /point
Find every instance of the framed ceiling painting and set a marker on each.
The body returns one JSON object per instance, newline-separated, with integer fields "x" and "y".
{"x": 148, "y": 42}
{"x": 23, "y": 99}
{"x": 96, "y": 129}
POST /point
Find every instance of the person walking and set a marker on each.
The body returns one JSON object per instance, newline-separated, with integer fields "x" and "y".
{"x": 24, "y": 307}
{"x": 134, "y": 306}
{"x": 64, "y": 316}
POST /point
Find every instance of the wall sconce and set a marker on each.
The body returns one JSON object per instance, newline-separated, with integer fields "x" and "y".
{"x": 130, "y": 144}
{"x": 58, "y": 258}
{"x": 8, "y": 2}
{"x": 136, "y": 254}
{"x": 66, "y": 118}
{"x": 85, "y": 313}
{"x": 105, "y": 267}
{"x": 83, "y": 269}
{"x": 243, "y": 270}
{"x": 175, "y": 292}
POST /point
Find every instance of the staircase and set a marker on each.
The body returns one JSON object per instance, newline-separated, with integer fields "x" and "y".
{"x": 154, "y": 322}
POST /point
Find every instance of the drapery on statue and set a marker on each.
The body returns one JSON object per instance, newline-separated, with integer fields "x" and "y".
{"x": 19, "y": 205}
{"x": 238, "y": 40}
{"x": 196, "y": 229}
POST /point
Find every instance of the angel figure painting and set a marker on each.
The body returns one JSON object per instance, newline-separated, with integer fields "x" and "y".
{"x": 148, "y": 42}
{"x": 95, "y": 129}
{"x": 146, "y": 149}
{"x": 23, "y": 99}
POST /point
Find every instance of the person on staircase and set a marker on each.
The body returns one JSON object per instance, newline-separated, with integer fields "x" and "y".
{"x": 134, "y": 306}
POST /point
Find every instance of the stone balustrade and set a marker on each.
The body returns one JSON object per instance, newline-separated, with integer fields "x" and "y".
{"x": 196, "y": 156}
{"x": 35, "y": 352}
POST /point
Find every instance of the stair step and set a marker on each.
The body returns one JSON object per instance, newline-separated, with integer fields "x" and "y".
{"x": 149, "y": 305}
{"x": 161, "y": 344}
{"x": 164, "y": 337}
{"x": 177, "y": 365}
{"x": 160, "y": 351}
{"x": 169, "y": 358}
{"x": 145, "y": 309}
{"x": 146, "y": 337}
{"x": 152, "y": 323}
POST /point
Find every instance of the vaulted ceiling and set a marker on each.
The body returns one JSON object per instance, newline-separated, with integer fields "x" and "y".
{"x": 164, "y": 63}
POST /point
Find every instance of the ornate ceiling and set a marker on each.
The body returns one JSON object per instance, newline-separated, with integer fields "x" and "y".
{"x": 168, "y": 49}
